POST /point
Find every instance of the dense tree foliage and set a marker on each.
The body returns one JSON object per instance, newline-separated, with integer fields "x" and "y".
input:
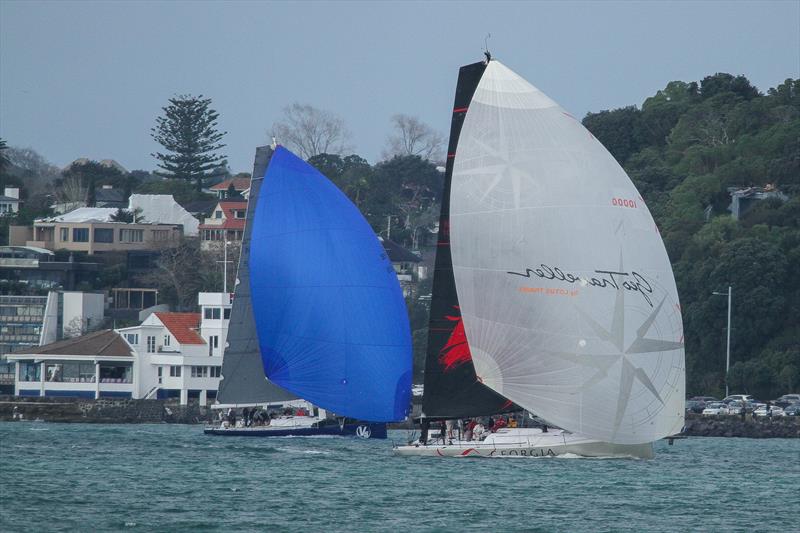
{"x": 79, "y": 181}
{"x": 684, "y": 149}
{"x": 188, "y": 132}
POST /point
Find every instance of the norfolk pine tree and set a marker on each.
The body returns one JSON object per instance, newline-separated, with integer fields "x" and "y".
{"x": 188, "y": 129}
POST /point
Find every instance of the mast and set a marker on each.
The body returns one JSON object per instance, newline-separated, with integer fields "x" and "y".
{"x": 243, "y": 380}
{"x": 452, "y": 389}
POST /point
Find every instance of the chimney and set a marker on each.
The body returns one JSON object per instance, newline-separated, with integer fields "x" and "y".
{"x": 12, "y": 192}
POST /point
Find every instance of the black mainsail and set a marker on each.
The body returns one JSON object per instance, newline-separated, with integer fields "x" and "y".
{"x": 452, "y": 389}
{"x": 243, "y": 381}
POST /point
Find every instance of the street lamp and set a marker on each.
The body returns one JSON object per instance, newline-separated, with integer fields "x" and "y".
{"x": 728, "y": 351}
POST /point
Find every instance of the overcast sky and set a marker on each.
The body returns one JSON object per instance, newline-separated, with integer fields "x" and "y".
{"x": 87, "y": 79}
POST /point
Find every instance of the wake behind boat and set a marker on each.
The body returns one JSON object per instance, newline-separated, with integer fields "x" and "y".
{"x": 318, "y": 316}
{"x": 553, "y": 292}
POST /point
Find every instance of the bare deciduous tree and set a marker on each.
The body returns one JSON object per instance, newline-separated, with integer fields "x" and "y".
{"x": 81, "y": 326}
{"x": 411, "y": 136}
{"x": 32, "y": 167}
{"x": 72, "y": 190}
{"x": 309, "y": 131}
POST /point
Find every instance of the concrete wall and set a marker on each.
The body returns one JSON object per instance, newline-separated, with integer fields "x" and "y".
{"x": 82, "y": 310}
{"x": 19, "y": 235}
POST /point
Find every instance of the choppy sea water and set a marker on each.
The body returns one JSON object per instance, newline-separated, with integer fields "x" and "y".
{"x": 77, "y": 477}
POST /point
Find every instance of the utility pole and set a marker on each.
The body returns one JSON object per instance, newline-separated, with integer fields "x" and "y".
{"x": 728, "y": 349}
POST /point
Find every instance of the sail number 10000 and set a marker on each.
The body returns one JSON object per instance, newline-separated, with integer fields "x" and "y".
{"x": 623, "y": 202}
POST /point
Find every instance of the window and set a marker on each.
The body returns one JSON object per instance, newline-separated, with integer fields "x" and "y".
{"x": 103, "y": 235}
{"x": 239, "y": 213}
{"x": 64, "y": 234}
{"x": 131, "y": 235}
{"x": 166, "y": 340}
{"x": 213, "y": 343}
{"x": 151, "y": 344}
{"x": 215, "y": 371}
{"x": 115, "y": 374}
{"x": 77, "y": 373}
{"x": 226, "y": 313}
{"x": 30, "y": 372}
{"x": 217, "y": 214}
{"x": 211, "y": 313}
{"x": 132, "y": 338}
{"x": 199, "y": 371}
{"x": 80, "y": 234}
{"x": 175, "y": 371}
{"x": 160, "y": 235}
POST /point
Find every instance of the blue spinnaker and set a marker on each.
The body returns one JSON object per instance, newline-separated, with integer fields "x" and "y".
{"x": 332, "y": 323}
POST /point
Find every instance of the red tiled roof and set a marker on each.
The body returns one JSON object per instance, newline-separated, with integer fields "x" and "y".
{"x": 183, "y": 326}
{"x": 230, "y": 222}
{"x": 240, "y": 184}
{"x": 237, "y": 223}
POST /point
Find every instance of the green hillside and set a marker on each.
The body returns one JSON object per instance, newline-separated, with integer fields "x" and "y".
{"x": 684, "y": 148}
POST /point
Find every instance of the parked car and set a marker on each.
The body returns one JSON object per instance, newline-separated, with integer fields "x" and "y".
{"x": 792, "y": 410}
{"x": 740, "y": 397}
{"x": 773, "y": 411}
{"x": 716, "y": 408}
{"x": 735, "y": 407}
{"x": 786, "y": 400}
{"x": 695, "y": 406}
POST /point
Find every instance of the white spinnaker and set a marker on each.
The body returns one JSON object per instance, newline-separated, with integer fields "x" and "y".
{"x": 565, "y": 287}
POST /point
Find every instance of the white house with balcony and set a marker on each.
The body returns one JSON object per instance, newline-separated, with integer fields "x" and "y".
{"x": 169, "y": 355}
{"x": 180, "y": 354}
{"x": 9, "y": 201}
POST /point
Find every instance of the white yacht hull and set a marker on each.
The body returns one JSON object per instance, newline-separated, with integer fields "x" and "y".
{"x": 524, "y": 442}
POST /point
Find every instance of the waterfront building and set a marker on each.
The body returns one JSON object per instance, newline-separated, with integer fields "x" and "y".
{"x": 240, "y": 187}
{"x": 179, "y": 355}
{"x": 169, "y": 355}
{"x": 25, "y": 269}
{"x": 96, "y": 365}
{"x": 30, "y": 321}
{"x": 159, "y": 222}
{"x": 9, "y": 201}
{"x": 92, "y": 231}
{"x": 226, "y": 223}
{"x": 406, "y": 264}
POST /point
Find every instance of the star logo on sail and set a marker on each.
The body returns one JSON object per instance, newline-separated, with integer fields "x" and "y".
{"x": 602, "y": 363}
{"x": 506, "y": 168}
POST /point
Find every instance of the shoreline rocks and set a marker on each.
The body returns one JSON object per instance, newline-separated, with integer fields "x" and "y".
{"x": 102, "y": 411}
{"x": 786, "y": 427}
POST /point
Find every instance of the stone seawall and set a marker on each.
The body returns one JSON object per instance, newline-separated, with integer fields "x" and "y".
{"x": 102, "y": 411}
{"x": 733, "y": 426}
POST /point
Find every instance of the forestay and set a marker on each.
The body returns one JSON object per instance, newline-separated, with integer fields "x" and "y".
{"x": 331, "y": 318}
{"x": 566, "y": 291}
